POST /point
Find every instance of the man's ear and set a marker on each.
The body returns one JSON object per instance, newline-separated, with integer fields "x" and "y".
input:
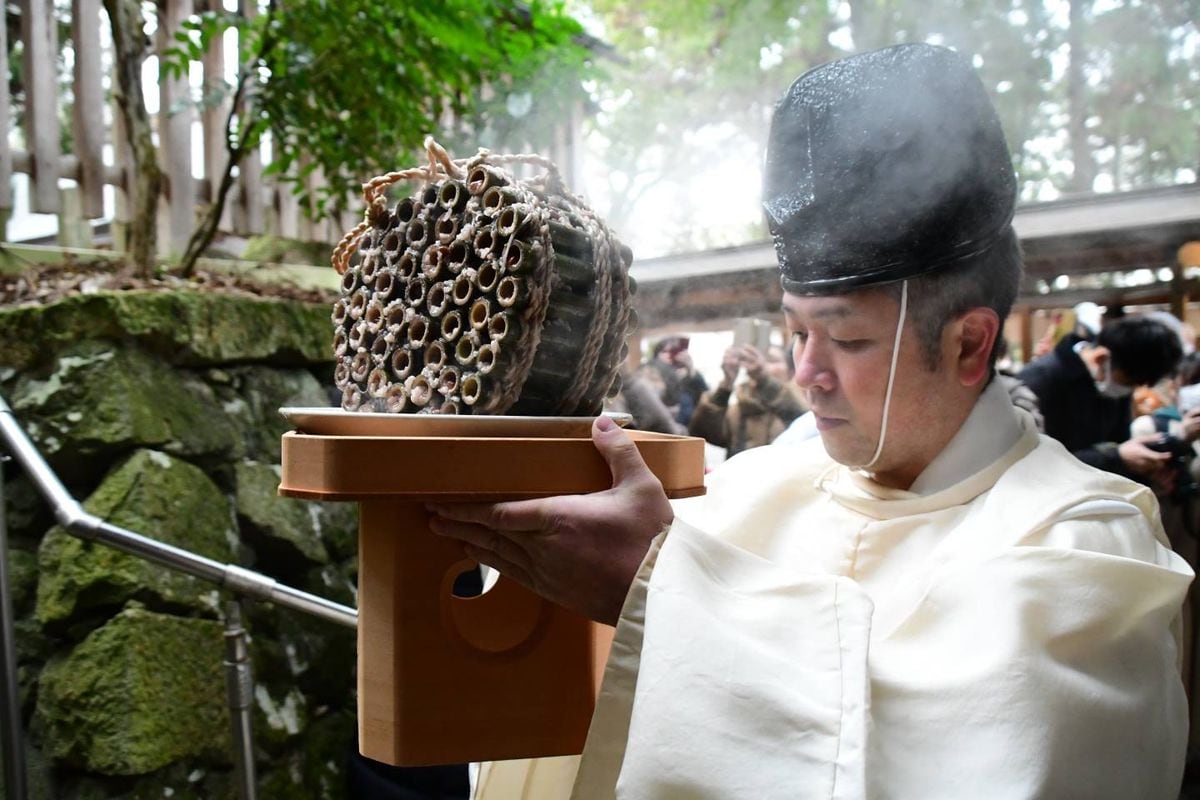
{"x": 976, "y": 331}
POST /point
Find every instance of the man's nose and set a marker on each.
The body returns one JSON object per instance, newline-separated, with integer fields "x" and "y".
{"x": 812, "y": 371}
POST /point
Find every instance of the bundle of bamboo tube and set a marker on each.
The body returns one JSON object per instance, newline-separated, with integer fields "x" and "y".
{"x": 480, "y": 293}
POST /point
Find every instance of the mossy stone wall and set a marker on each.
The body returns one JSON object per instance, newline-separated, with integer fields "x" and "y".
{"x": 159, "y": 412}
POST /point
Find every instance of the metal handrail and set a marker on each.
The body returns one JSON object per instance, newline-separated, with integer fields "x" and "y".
{"x": 239, "y": 580}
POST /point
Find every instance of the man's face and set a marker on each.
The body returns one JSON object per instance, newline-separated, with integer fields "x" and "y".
{"x": 843, "y": 350}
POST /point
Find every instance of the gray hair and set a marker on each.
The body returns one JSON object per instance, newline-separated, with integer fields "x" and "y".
{"x": 990, "y": 279}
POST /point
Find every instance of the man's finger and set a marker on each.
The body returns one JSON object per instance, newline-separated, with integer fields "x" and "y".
{"x": 480, "y": 538}
{"x": 618, "y": 450}
{"x": 517, "y": 515}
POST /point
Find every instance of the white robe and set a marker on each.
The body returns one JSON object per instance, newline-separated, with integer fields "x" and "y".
{"x": 1008, "y": 629}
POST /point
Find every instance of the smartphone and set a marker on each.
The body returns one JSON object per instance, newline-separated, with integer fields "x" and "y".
{"x": 749, "y": 330}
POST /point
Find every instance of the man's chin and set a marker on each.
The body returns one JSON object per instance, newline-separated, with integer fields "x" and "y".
{"x": 846, "y": 453}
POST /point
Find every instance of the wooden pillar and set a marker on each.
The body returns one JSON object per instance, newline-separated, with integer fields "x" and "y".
{"x": 88, "y": 116}
{"x": 40, "y": 40}
{"x": 252, "y": 216}
{"x": 175, "y": 116}
{"x": 5, "y": 151}
{"x": 213, "y": 116}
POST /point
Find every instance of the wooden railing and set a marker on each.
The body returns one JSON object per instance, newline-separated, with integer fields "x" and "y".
{"x": 100, "y": 152}
{"x": 100, "y": 148}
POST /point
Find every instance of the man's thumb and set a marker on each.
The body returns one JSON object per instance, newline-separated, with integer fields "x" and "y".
{"x": 618, "y": 449}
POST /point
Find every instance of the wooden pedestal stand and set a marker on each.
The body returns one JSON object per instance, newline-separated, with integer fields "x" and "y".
{"x": 445, "y": 679}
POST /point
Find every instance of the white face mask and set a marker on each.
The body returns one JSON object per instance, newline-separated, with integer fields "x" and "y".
{"x": 1110, "y": 388}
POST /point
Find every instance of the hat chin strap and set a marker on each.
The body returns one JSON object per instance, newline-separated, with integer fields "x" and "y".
{"x": 887, "y": 398}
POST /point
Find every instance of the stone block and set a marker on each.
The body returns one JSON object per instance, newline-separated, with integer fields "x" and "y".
{"x": 152, "y": 494}
{"x": 143, "y": 691}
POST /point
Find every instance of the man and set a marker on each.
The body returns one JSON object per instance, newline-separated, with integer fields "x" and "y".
{"x": 930, "y": 601}
{"x": 765, "y": 405}
{"x": 1084, "y": 389}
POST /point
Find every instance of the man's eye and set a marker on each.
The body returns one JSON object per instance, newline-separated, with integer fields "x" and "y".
{"x": 799, "y": 337}
{"x": 851, "y": 345}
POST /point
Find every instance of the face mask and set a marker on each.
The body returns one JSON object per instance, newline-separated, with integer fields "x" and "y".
{"x": 1107, "y": 387}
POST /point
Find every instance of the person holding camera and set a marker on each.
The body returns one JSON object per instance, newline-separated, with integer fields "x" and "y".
{"x": 764, "y": 407}
{"x": 1085, "y": 390}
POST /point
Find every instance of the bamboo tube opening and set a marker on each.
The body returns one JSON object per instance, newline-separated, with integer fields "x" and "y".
{"x": 632, "y": 283}
{"x": 340, "y": 342}
{"x": 516, "y": 257}
{"x": 414, "y": 292}
{"x": 615, "y": 387}
{"x": 358, "y": 335}
{"x": 633, "y": 320}
{"x": 485, "y": 241}
{"x": 453, "y": 196}
{"x": 456, "y": 256}
{"x": 481, "y": 309}
{"x": 380, "y": 349}
{"x": 377, "y": 382}
{"x": 485, "y": 359}
{"x": 418, "y": 332}
{"x": 465, "y": 351}
{"x": 385, "y": 284}
{"x": 429, "y": 196}
{"x": 341, "y": 373}
{"x": 447, "y": 228}
{"x": 416, "y": 233}
{"x": 451, "y": 326}
{"x": 448, "y": 380}
{"x": 406, "y": 209}
{"x": 393, "y": 242}
{"x": 373, "y": 315}
{"x": 448, "y": 406}
{"x": 368, "y": 268}
{"x": 431, "y": 263}
{"x": 395, "y": 314}
{"x": 350, "y": 281}
{"x": 501, "y": 326}
{"x": 352, "y": 398}
{"x": 509, "y": 292}
{"x": 472, "y": 389}
{"x": 340, "y": 312}
{"x": 395, "y": 398}
{"x": 358, "y": 303}
{"x": 462, "y": 289}
{"x": 481, "y": 178}
{"x": 408, "y": 265}
{"x": 437, "y": 298}
{"x": 419, "y": 391}
{"x": 487, "y": 276}
{"x": 401, "y": 363}
{"x": 498, "y": 197}
{"x": 511, "y": 220}
{"x": 435, "y": 354}
{"x": 360, "y": 366}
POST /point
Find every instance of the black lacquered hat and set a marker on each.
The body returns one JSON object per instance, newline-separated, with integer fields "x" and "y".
{"x": 884, "y": 166}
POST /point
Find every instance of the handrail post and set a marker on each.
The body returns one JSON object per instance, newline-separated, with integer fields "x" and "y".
{"x": 15, "y": 785}
{"x": 239, "y": 684}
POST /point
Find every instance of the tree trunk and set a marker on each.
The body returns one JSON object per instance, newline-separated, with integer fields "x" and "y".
{"x": 143, "y": 186}
{"x": 1081, "y": 152}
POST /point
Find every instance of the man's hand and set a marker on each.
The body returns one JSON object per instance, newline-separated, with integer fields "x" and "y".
{"x": 580, "y": 551}
{"x": 753, "y": 362}
{"x": 1140, "y": 459}
{"x": 731, "y": 363}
